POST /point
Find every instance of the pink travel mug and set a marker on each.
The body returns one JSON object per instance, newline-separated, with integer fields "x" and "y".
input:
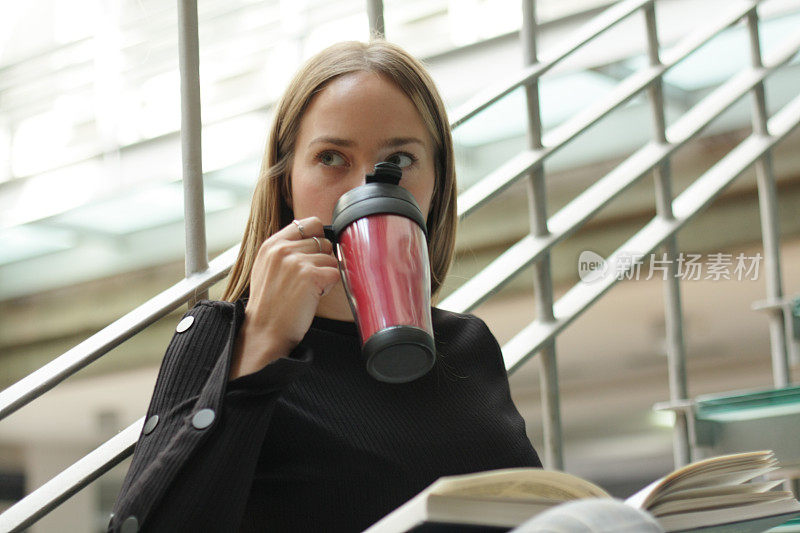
{"x": 381, "y": 245}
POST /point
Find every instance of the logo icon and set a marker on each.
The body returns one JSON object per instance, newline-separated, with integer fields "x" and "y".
{"x": 591, "y": 266}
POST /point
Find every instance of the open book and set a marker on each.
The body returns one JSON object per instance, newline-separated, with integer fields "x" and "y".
{"x": 712, "y": 492}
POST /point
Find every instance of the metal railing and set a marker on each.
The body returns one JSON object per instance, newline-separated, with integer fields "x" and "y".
{"x": 654, "y": 156}
{"x": 539, "y": 336}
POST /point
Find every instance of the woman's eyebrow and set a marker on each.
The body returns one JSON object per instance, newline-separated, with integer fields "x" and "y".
{"x": 338, "y": 141}
{"x": 399, "y": 141}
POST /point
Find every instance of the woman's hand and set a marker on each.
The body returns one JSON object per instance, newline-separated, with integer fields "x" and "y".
{"x": 293, "y": 269}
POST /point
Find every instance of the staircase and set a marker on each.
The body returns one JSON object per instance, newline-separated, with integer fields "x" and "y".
{"x": 697, "y": 423}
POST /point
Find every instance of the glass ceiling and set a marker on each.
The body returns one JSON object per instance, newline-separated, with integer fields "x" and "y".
{"x": 89, "y": 123}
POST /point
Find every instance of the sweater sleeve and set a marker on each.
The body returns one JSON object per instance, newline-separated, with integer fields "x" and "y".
{"x": 515, "y": 422}
{"x": 194, "y": 461}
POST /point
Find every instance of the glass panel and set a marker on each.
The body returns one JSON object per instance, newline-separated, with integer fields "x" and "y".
{"x": 743, "y": 404}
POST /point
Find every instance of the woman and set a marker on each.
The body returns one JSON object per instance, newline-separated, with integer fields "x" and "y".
{"x": 263, "y": 416}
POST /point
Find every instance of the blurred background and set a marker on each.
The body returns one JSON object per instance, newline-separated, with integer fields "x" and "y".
{"x": 91, "y": 205}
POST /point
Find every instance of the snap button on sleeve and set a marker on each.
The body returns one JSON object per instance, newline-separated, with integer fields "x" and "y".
{"x": 130, "y": 525}
{"x": 184, "y": 324}
{"x": 203, "y": 418}
{"x": 150, "y": 425}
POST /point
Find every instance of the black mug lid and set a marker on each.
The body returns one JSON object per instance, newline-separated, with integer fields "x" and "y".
{"x": 381, "y": 194}
{"x": 399, "y": 354}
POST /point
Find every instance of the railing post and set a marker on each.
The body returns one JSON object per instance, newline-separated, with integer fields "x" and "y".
{"x": 673, "y": 316}
{"x": 191, "y": 151}
{"x": 375, "y": 15}
{"x": 768, "y": 210}
{"x": 542, "y": 281}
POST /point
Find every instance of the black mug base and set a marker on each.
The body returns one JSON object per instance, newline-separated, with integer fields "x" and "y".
{"x": 399, "y": 354}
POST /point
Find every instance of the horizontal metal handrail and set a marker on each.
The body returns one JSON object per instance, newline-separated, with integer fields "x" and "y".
{"x": 61, "y": 487}
{"x": 518, "y": 167}
{"x": 498, "y": 180}
{"x": 45, "y": 378}
{"x": 605, "y": 21}
{"x": 690, "y": 203}
{"x": 572, "y": 216}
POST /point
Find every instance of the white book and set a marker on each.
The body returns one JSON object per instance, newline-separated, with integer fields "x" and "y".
{"x": 709, "y": 493}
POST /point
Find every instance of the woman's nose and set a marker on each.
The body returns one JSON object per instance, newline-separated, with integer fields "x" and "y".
{"x": 360, "y": 176}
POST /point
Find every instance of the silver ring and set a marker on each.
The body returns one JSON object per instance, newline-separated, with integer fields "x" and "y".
{"x": 300, "y": 228}
{"x": 319, "y": 244}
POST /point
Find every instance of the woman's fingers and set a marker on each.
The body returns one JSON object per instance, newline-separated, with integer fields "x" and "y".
{"x": 316, "y": 245}
{"x": 294, "y": 268}
{"x": 329, "y": 278}
{"x": 321, "y": 260}
{"x": 301, "y": 229}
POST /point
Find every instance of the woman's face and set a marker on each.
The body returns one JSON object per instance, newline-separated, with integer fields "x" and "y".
{"x": 358, "y": 120}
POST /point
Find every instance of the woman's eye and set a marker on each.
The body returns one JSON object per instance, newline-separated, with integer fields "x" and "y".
{"x": 331, "y": 159}
{"x": 401, "y": 159}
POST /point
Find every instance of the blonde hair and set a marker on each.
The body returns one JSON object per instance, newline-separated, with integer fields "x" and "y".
{"x": 269, "y": 211}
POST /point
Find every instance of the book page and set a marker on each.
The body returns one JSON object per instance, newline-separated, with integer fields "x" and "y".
{"x": 703, "y": 492}
{"x": 716, "y": 479}
{"x": 715, "y": 502}
{"x": 519, "y": 484}
{"x": 722, "y": 470}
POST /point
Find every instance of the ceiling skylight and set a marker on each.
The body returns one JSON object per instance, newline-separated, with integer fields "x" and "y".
{"x": 142, "y": 209}
{"x": 26, "y": 242}
{"x": 560, "y": 98}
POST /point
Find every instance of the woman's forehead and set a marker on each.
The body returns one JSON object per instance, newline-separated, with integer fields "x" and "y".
{"x": 362, "y": 103}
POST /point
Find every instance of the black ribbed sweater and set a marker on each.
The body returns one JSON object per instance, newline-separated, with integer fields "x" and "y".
{"x": 312, "y": 442}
